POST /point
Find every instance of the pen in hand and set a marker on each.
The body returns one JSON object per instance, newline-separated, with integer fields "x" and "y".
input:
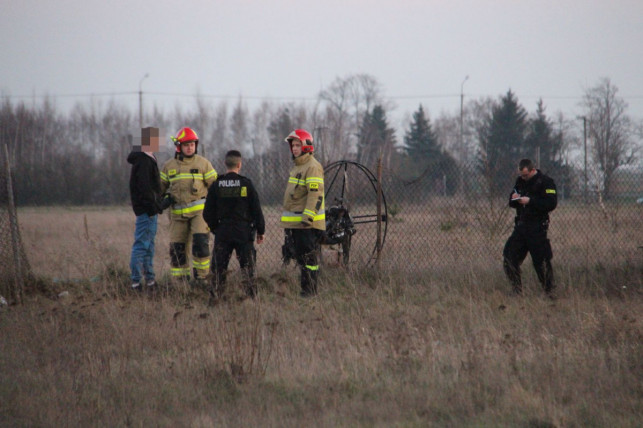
{"x": 515, "y": 193}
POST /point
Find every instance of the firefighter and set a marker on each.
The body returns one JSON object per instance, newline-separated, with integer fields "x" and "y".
{"x": 233, "y": 213}
{"x": 534, "y": 197}
{"x": 186, "y": 178}
{"x": 303, "y": 214}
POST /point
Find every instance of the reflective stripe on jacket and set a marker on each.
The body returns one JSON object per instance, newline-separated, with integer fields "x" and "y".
{"x": 188, "y": 208}
{"x": 304, "y": 196}
{"x": 187, "y": 181}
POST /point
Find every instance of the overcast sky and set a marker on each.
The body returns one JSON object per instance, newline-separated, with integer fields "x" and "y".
{"x": 420, "y": 51}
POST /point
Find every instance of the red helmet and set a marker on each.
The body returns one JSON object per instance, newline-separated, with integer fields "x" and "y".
{"x": 185, "y": 135}
{"x": 305, "y": 138}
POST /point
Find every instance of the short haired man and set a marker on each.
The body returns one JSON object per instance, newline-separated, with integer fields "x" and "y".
{"x": 233, "y": 213}
{"x": 534, "y": 197}
{"x": 145, "y": 194}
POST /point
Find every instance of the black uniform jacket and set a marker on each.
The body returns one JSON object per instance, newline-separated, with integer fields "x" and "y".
{"x": 232, "y": 209}
{"x": 541, "y": 191}
{"x": 144, "y": 184}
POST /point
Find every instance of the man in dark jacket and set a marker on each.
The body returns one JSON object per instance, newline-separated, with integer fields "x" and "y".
{"x": 534, "y": 197}
{"x": 233, "y": 213}
{"x": 145, "y": 189}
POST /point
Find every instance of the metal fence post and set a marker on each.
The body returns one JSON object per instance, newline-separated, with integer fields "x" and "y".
{"x": 15, "y": 240}
{"x": 379, "y": 211}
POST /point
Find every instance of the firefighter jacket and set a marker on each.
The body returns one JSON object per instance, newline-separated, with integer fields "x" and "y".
{"x": 304, "y": 196}
{"x": 232, "y": 209}
{"x": 543, "y": 199}
{"x": 187, "y": 181}
{"x": 144, "y": 184}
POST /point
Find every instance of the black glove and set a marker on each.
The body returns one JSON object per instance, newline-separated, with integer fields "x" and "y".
{"x": 166, "y": 201}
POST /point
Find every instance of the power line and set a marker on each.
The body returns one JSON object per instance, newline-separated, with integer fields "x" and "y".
{"x": 232, "y": 97}
{"x": 104, "y": 94}
{"x": 288, "y": 98}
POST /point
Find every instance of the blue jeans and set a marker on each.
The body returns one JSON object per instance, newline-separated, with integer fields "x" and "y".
{"x": 141, "y": 262}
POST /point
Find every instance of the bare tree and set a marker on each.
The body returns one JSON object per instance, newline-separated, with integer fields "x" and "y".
{"x": 260, "y": 141}
{"x": 344, "y": 104}
{"x": 201, "y": 120}
{"x": 259, "y": 135}
{"x": 610, "y": 131}
{"x": 239, "y": 128}
{"x": 446, "y": 127}
{"x": 480, "y": 112}
{"x": 220, "y": 131}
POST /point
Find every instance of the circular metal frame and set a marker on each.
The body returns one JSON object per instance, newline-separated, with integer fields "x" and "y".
{"x": 361, "y": 207}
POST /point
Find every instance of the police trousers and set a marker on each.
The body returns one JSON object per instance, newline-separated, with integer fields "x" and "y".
{"x": 246, "y": 255}
{"x": 529, "y": 237}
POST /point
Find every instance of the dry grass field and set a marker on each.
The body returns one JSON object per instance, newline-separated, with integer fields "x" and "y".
{"x": 438, "y": 341}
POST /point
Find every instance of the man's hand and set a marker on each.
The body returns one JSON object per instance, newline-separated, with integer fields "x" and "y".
{"x": 166, "y": 201}
{"x": 259, "y": 239}
{"x": 524, "y": 200}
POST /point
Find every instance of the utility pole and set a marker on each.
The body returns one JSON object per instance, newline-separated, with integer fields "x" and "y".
{"x": 140, "y": 101}
{"x": 461, "y": 139}
{"x": 584, "y": 154}
{"x": 585, "y": 150}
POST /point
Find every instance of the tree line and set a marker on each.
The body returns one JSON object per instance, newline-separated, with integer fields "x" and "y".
{"x": 80, "y": 157}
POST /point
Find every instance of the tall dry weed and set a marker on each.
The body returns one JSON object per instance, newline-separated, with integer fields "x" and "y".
{"x": 445, "y": 347}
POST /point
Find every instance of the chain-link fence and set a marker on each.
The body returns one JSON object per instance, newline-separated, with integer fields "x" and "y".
{"x": 14, "y": 266}
{"x": 436, "y": 230}
{"x": 454, "y": 221}
{"x": 458, "y": 220}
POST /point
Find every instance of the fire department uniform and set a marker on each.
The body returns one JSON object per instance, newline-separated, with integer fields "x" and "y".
{"x": 530, "y": 231}
{"x": 304, "y": 216}
{"x": 187, "y": 179}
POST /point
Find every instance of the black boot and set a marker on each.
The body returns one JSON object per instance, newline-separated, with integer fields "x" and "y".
{"x": 513, "y": 274}
{"x": 546, "y": 277}
{"x": 308, "y": 282}
{"x": 250, "y": 288}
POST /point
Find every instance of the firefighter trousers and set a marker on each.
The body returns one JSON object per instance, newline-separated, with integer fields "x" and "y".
{"x": 307, "y": 255}
{"x": 183, "y": 230}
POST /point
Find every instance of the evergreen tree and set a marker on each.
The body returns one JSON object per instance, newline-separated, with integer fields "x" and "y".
{"x": 375, "y": 138}
{"x": 545, "y": 146}
{"x": 427, "y": 157}
{"x": 541, "y": 142}
{"x": 502, "y": 144}
{"x": 278, "y": 156}
{"x": 421, "y": 143}
{"x": 279, "y": 128}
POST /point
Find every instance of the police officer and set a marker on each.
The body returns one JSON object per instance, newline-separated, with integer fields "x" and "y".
{"x": 533, "y": 197}
{"x": 304, "y": 216}
{"x": 187, "y": 178}
{"x": 233, "y": 213}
